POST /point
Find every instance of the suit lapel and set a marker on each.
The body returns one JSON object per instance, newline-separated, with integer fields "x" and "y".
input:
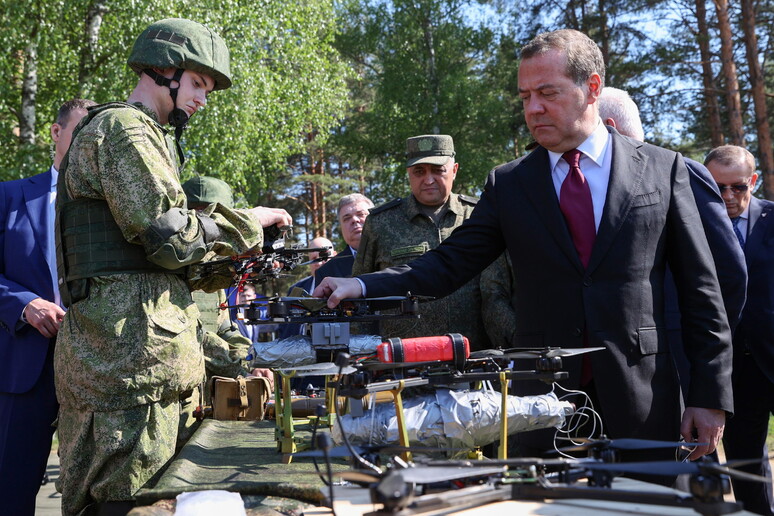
{"x": 536, "y": 182}
{"x": 627, "y": 167}
{"x": 36, "y": 201}
{"x": 754, "y": 230}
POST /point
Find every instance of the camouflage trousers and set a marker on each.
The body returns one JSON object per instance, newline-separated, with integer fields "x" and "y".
{"x": 108, "y": 456}
{"x": 188, "y": 423}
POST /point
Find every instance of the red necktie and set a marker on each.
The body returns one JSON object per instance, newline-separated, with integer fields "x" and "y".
{"x": 575, "y": 203}
{"x": 578, "y": 210}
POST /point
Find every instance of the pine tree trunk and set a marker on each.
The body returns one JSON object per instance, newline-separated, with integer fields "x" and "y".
{"x": 757, "y": 85}
{"x": 733, "y": 102}
{"x": 707, "y": 78}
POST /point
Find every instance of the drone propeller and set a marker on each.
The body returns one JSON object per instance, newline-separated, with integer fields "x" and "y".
{"x": 624, "y": 444}
{"x": 321, "y": 369}
{"x": 674, "y": 468}
{"x": 546, "y": 352}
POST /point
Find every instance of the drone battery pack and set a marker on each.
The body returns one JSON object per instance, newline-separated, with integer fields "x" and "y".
{"x": 452, "y": 347}
{"x": 239, "y": 399}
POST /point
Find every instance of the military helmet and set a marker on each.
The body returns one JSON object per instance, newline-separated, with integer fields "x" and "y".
{"x": 184, "y": 44}
{"x": 207, "y": 190}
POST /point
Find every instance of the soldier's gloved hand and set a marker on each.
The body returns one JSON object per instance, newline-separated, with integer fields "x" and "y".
{"x": 44, "y": 316}
{"x": 270, "y": 216}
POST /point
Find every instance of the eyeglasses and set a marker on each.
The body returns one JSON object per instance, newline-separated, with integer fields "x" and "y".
{"x": 737, "y": 189}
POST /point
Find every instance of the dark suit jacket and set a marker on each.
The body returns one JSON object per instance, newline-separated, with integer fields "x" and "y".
{"x": 290, "y": 329}
{"x": 649, "y": 219}
{"x": 756, "y": 329}
{"x": 340, "y": 266}
{"x": 305, "y": 283}
{"x": 24, "y": 276}
{"x": 727, "y": 256}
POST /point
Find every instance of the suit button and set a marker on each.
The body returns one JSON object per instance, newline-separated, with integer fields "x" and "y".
{"x": 587, "y": 281}
{"x": 577, "y": 332}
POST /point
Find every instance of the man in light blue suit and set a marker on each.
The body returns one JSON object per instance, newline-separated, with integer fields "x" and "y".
{"x": 30, "y": 315}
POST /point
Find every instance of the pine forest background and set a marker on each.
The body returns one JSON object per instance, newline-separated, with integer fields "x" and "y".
{"x": 326, "y": 92}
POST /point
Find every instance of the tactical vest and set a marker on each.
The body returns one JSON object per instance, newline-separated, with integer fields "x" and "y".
{"x": 89, "y": 243}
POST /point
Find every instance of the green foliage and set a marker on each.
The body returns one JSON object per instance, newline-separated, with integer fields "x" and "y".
{"x": 419, "y": 68}
{"x": 288, "y": 79}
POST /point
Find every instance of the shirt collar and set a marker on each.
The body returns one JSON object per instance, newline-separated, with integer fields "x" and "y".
{"x": 453, "y": 205}
{"x": 592, "y": 147}
{"x": 746, "y": 213}
{"x": 54, "y": 177}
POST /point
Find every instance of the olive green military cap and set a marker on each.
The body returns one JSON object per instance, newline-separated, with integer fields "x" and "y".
{"x": 435, "y": 149}
{"x": 186, "y": 44}
{"x": 207, "y": 190}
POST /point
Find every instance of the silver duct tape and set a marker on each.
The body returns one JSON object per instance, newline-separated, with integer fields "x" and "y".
{"x": 454, "y": 419}
{"x": 298, "y": 351}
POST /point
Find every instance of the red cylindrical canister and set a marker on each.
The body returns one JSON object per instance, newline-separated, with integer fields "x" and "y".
{"x": 446, "y": 348}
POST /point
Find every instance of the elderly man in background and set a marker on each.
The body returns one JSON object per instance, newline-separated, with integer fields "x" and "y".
{"x": 733, "y": 168}
{"x": 352, "y": 214}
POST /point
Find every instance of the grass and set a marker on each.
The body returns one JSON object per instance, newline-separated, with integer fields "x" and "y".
{"x": 770, "y": 438}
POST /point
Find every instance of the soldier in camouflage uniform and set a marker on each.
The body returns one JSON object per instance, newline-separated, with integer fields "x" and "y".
{"x": 403, "y": 229}
{"x": 128, "y": 347}
{"x": 224, "y": 347}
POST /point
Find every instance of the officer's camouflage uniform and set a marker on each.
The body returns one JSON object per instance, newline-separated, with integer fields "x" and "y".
{"x": 497, "y": 291}
{"x": 128, "y": 350}
{"x": 398, "y": 232}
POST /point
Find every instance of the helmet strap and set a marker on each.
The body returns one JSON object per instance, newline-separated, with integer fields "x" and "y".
{"x": 178, "y": 118}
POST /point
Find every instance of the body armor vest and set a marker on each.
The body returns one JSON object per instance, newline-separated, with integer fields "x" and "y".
{"x": 89, "y": 243}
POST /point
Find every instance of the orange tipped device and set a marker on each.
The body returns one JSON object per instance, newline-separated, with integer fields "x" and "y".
{"x": 451, "y": 347}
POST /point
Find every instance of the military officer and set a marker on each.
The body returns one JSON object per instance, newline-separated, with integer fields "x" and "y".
{"x": 403, "y": 229}
{"x": 128, "y": 344}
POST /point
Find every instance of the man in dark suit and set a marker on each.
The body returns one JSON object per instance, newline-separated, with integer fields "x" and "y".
{"x": 618, "y": 110}
{"x": 733, "y": 168}
{"x": 590, "y": 220}
{"x": 352, "y": 212}
{"x": 30, "y": 315}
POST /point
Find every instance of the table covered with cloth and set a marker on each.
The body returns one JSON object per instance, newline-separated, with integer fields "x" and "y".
{"x": 239, "y": 456}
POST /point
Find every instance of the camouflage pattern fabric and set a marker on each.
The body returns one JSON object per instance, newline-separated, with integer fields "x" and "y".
{"x": 188, "y": 424}
{"x": 398, "y": 232}
{"x": 497, "y": 291}
{"x": 112, "y": 454}
{"x": 132, "y": 343}
{"x": 224, "y": 350}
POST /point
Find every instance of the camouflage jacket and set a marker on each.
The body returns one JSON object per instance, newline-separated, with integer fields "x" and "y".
{"x": 497, "y": 291}
{"x": 133, "y": 339}
{"x": 224, "y": 349}
{"x": 396, "y": 233}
